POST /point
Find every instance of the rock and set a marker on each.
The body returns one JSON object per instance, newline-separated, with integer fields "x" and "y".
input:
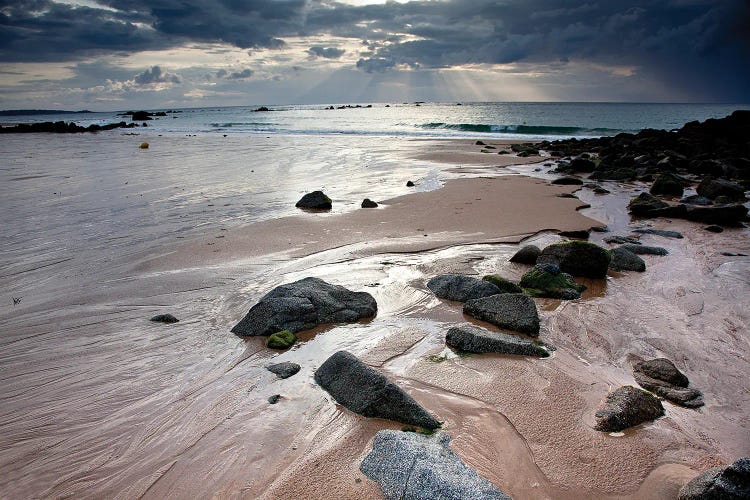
{"x": 368, "y": 203}
{"x": 527, "y": 255}
{"x": 625, "y": 260}
{"x": 261, "y": 109}
{"x": 567, "y": 195}
{"x": 578, "y": 235}
{"x": 720, "y": 483}
{"x": 461, "y": 288}
{"x": 364, "y": 390}
{"x": 284, "y": 370}
{"x": 164, "y": 318}
{"x": 144, "y": 145}
{"x": 644, "y": 204}
{"x": 140, "y": 116}
{"x": 274, "y": 399}
{"x": 626, "y": 407}
{"x": 316, "y": 200}
{"x": 621, "y": 240}
{"x": 660, "y": 232}
{"x": 581, "y": 165}
{"x": 409, "y": 184}
{"x": 412, "y": 466}
{"x": 478, "y": 340}
{"x": 567, "y": 181}
{"x": 666, "y": 184}
{"x": 579, "y": 258}
{"x": 713, "y": 188}
{"x": 661, "y": 377}
{"x": 714, "y": 229}
{"x": 546, "y": 280}
{"x": 514, "y": 311}
{"x": 305, "y": 304}
{"x": 600, "y": 190}
{"x": 696, "y": 200}
{"x": 479, "y": 143}
{"x": 600, "y": 229}
{"x": 723, "y": 200}
{"x": 723, "y": 215}
{"x": 505, "y": 286}
{"x": 644, "y": 249}
{"x": 281, "y": 340}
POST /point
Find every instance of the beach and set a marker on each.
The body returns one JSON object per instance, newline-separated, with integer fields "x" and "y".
{"x": 100, "y": 402}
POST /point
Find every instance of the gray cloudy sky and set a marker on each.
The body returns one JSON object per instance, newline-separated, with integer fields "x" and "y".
{"x": 116, "y": 54}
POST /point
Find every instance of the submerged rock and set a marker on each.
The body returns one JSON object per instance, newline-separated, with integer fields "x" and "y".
{"x": 579, "y": 258}
{"x": 720, "y": 483}
{"x": 620, "y": 240}
{"x": 316, "y": 200}
{"x": 645, "y": 249}
{"x": 505, "y": 286}
{"x": 527, "y": 255}
{"x": 409, "y": 465}
{"x": 645, "y": 204}
{"x": 577, "y": 235}
{"x": 662, "y": 377}
{"x": 409, "y": 184}
{"x": 305, "y": 304}
{"x": 514, "y": 311}
{"x": 714, "y": 229}
{"x": 567, "y": 181}
{"x": 164, "y": 318}
{"x": 723, "y": 215}
{"x": 366, "y": 391}
{"x": 625, "y": 260}
{"x": 281, "y": 340}
{"x": 626, "y": 407}
{"x": 284, "y": 370}
{"x": 546, "y": 280}
{"x": 478, "y": 340}
{"x": 461, "y": 288}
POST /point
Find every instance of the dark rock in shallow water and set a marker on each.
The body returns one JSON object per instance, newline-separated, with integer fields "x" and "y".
{"x": 366, "y": 391}
{"x": 578, "y": 235}
{"x": 567, "y": 181}
{"x": 368, "y": 203}
{"x": 461, "y": 288}
{"x": 164, "y": 318}
{"x": 478, "y": 340}
{"x": 579, "y": 258}
{"x": 696, "y": 200}
{"x": 305, "y": 304}
{"x": 284, "y": 370}
{"x": 626, "y": 407}
{"x": 505, "y": 286}
{"x": 412, "y": 466}
{"x": 600, "y": 229}
{"x": 316, "y": 200}
{"x": 644, "y": 249}
{"x": 720, "y": 483}
{"x": 724, "y": 215}
{"x": 644, "y": 204}
{"x": 581, "y": 165}
{"x": 621, "y": 240}
{"x": 713, "y": 188}
{"x": 514, "y": 311}
{"x": 409, "y": 184}
{"x": 625, "y": 260}
{"x": 141, "y": 116}
{"x": 546, "y": 280}
{"x": 666, "y": 184}
{"x": 527, "y": 255}
{"x": 660, "y": 232}
{"x": 662, "y": 377}
{"x": 714, "y": 229}
{"x": 274, "y": 399}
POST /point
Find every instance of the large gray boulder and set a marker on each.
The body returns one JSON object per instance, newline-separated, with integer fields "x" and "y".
{"x": 625, "y": 260}
{"x": 461, "y": 288}
{"x": 626, "y": 407}
{"x": 305, "y": 304}
{"x": 720, "y": 483}
{"x": 366, "y": 391}
{"x": 478, "y": 340}
{"x": 578, "y": 258}
{"x": 662, "y": 377}
{"x": 514, "y": 311}
{"x": 412, "y": 466}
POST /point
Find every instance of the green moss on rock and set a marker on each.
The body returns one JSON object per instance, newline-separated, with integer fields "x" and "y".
{"x": 281, "y": 340}
{"x": 548, "y": 281}
{"x": 505, "y": 286}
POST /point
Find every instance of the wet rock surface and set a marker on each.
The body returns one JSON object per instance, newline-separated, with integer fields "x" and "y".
{"x": 625, "y": 260}
{"x": 284, "y": 370}
{"x": 469, "y": 338}
{"x": 626, "y": 407}
{"x": 662, "y": 377}
{"x": 527, "y": 255}
{"x": 164, "y": 318}
{"x": 408, "y": 465}
{"x": 578, "y": 258}
{"x": 546, "y": 280}
{"x": 317, "y": 200}
{"x": 461, "y": 288}
{"x": 720, "y": 483}
{"x": 639, "y": 249}
{"x": 513, "y": 311}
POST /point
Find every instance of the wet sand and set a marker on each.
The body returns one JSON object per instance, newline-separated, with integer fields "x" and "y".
{"x": 98, "y": 402}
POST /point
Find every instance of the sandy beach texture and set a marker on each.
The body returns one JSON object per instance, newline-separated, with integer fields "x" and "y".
{"x": 99, "y": 402}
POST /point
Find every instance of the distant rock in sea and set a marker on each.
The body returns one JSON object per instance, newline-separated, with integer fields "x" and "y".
{"x": 317, "y": 200}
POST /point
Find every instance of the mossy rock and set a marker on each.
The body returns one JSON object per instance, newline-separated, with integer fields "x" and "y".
{"x": 578, "y": 258}
{"x": 546, "y": 280}
{"x": 281, "y": 340}
{"x": 144, "y": 145}
{"x": 505, "y": 286}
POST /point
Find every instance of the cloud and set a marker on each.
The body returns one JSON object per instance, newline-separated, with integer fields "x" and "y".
{"x": 240, "y": 75}
{"x": 155, "y": 75}
{"x": 325, "y": 52}
{"x": 375, "y": 64}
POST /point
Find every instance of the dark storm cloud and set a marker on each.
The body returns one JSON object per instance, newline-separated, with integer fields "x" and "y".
{"x": 688, "y": 42}
{"x": 240, "y": 75}
{"x": 325, "y": 52}
{"x": 155, "y": 75}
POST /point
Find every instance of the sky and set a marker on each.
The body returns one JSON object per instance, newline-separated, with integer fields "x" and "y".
{"x": 122, "y": 54}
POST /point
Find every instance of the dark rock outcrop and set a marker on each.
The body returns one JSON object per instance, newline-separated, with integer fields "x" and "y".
{"x": 461, "y": 288}
{"x": 720, "y": 483}
{"x": 666, "y": 184}
{"x": 546, "y": 280}
{"x": 409, "y": 184}
{"x": 527, "y": 255}
{"x": 409, "y": 465}
{"x": 621, "y": 240}
{"x": 578, "y": 258}
{"x": 478, "y": 340}
{"x": 514, "y": 311}
{"x": 582, "y": 234}
{"x": 164, "y": 318}
{"x": 713, "y": 188}
{"x": 662, "y": 377}
{"x": 625, "y": 260}
{"x": 714, "y": 229}
{"x": 645, "y": 204}
{"x": 284, "y": 370}
{"x": 366, "y": 391}
{"x": 626, "y": 407}
{"x": 644, "y": 249}
{"x": 660, "y": 232}
{"x": 567, "y": 181}
{"x": 505, "y": 286}
{"x": 723, "y": 215}
{"x": 696, "y": 200}
{"x": 317, "y": 200}
{"x": 141, "y": 116}
{"x": 368, "y": 203}
{"x": 305, "y": 304}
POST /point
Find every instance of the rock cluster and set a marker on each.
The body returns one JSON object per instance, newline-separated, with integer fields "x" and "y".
{"x": 662, "y": 377}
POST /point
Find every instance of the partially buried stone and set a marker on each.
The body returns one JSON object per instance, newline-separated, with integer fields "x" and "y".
{"x": 164, "y": 318}
{"x": 660, "y": 232}
{"x": 577, "y": 235}
{"x": 368, "y": 203}
{"x": 662, "y": 377}
{"x": 461, "y": 288}
{"x": 720, "y": 483}
{"x": 366, "y": 391}
{"x": 409, "y": 184}
{"x": 578, "y": 258}
{"x": 645, "y": 249}
{"x": 514, "y": 311}
{"x": 567, "y": 181}
{"x": 714, "y": 229}
{"x": 284, "y": 370}
{"x": 625, "y": 260}
{"x": 626, "y": 407}
{"x": 478, "y": 340}
{"x": 274, "y": 399}
{"x": 412, "y": 466}
{"x": 618, "y": 240}
{"x": 316, "y": 200}
{"x": 527, "y": 255}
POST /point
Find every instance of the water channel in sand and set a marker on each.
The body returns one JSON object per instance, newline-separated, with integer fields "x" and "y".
{"x": 98, "y": 402}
